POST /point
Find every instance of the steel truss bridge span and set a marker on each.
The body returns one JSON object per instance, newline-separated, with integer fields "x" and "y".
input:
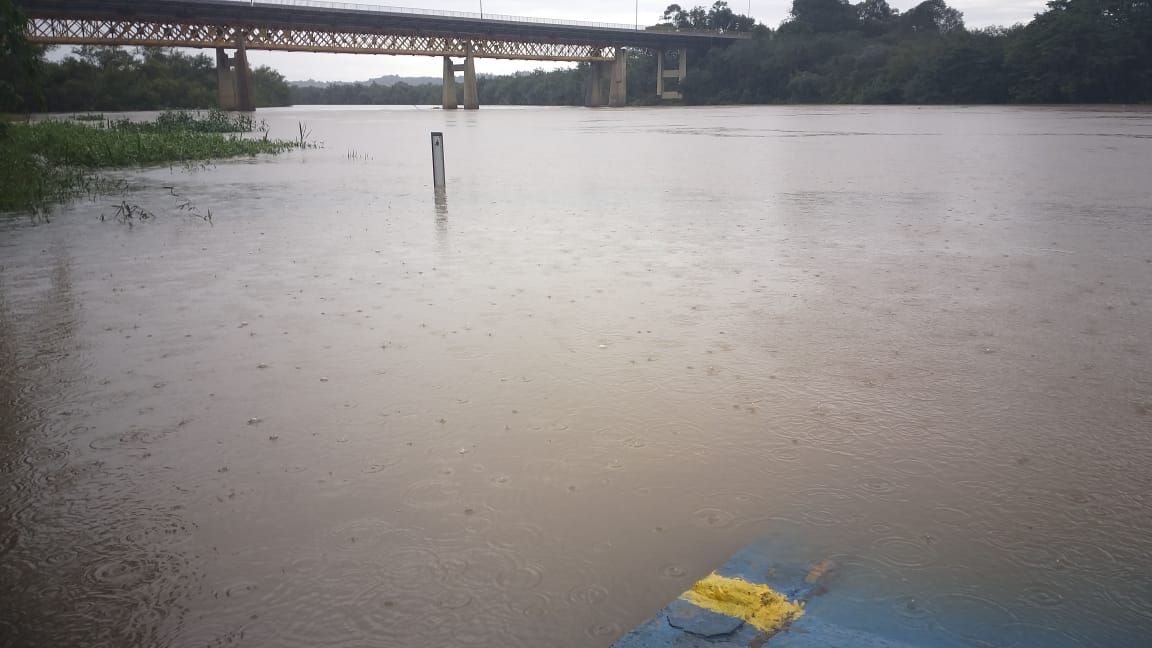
{"x": 52, "y": 31}
{"x": 313, "y": 26}
{"x": 309, "y": 26}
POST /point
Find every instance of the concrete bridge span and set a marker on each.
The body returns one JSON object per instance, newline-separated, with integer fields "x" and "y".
{"x": 316, "y": 26}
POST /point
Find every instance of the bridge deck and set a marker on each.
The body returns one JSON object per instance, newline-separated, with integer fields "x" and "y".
{"x": 349, "y": 18}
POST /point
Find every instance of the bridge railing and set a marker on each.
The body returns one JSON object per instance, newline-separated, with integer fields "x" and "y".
{"x": 349, "y": 6}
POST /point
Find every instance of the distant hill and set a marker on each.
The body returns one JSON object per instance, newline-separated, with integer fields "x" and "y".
{"x": 392, "y": 79}
{"x": 388, "y": 80}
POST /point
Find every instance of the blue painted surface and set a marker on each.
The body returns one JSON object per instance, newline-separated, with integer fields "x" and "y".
{"x": 683, "y": 625}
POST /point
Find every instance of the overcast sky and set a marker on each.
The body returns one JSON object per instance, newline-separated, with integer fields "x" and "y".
{"x": 299, "y": 66}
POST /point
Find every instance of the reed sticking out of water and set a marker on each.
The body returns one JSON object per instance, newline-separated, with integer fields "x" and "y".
{"x": 52, "y": 161}
{"x": 304, "y": 137}
{"x": 128, "y": 214}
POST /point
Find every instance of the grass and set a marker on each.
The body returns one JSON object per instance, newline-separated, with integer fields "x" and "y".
{"x": 53, "y": 161}
{"x": 214, "y": 121}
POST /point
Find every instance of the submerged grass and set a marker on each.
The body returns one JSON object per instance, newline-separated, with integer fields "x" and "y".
{"x": 78, "y": 145}
{"x": 51, "y": 161}
{"x": 214, "y": 121}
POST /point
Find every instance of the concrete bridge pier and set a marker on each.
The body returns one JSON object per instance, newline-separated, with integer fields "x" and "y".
{"x": 618, "y": 89}
{"x": 448, "y": 96}
{"x": 234, "y": 79}
{"x": 677, "y": 74}
{"x": 471, "y": 97}
{"x": 615, "y": 73}
{"x": 594, "y": 85}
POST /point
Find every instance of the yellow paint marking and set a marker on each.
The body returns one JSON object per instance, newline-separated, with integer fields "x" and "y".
{"x": 759, "y": 605}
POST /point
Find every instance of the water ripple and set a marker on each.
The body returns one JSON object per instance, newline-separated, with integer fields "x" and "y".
{"x": 603, "y": 631}
{"x": 713, "y": 518}
{"x": 432, "y": 494}
{"x": 903, "y": 552}
{"x": 971, "y": 617}
{"x": 588, "y": 594}
{"x": 1042, "y": 595}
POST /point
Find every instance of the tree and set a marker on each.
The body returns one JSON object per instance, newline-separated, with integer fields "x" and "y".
{"x": 933, "y": 16}
{"x": 19, "y": 60}
{"x": 269, "y": 88}
{"x": 722, "y": 18}
{"x": 676, "y": 16}
{"x": 718, "y": 18}
{"x": 961, "y": 70}
{"x": 876, "y": 17}
{"x": 824, "y": 15}
{"x": 874, "y": 10}
{"x": 1085, "y": 51}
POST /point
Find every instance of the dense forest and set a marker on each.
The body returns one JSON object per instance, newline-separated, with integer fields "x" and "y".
{"x": 827, "y": 51}
{"x": 830, "y": 51}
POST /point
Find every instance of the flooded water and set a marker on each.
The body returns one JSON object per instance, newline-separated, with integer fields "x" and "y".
{"x": 621, "y": 345}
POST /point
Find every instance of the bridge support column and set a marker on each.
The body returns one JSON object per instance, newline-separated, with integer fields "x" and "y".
{"x": 471, "y": 98}
{"x": 618, "y": 89}
{"x": 449, "y": 94}
{"x": 594, "y": 86}
{"x": 678, "y": 74}
{"x": 234, "y": 79}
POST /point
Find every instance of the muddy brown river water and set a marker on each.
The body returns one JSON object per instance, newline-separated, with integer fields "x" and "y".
{"x": 623, "y": 344}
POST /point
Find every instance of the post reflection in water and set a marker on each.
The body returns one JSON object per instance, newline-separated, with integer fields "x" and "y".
{"x": 442, "y": 220}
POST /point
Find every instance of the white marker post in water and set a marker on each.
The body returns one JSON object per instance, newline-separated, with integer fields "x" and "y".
{"x": 438, "y": 160}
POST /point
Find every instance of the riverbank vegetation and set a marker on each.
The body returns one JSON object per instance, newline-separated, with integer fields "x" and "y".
{"x": 833, "y": 51}
{"x": 51, "y": 161}
{"x": 113, "y": 79}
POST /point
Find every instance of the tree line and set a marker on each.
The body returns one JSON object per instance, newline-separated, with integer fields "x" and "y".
{"x": 553, "y": 88}
{"x": 833, "y": 51}
{"x": 110, "y": 78}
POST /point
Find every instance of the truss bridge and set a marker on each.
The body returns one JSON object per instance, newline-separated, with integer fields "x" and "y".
{"x": 237, "y": 26}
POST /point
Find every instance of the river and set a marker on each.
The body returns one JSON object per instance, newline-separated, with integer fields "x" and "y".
{"x": 622, "y": 344}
